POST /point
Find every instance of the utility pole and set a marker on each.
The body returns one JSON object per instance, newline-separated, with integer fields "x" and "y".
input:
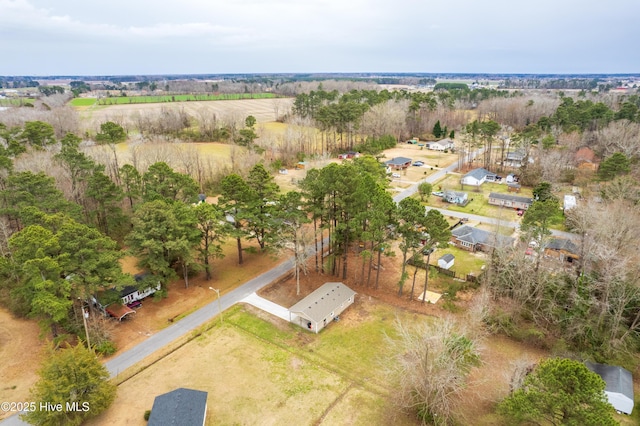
{"x": 219, "y": 305}
{"x": 85, "y": 316}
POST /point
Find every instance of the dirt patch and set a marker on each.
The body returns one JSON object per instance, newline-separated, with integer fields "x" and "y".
{"x": 21, "y": 353}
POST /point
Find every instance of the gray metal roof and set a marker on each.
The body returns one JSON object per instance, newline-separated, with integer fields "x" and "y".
{"x": 398, "y": 161}
{"x": 320, "y": 303}
{"x": 474, "y": 236}
{"x": 447, "y": 257}
{"x": 509, "y": 197}
{"x": 619, "y": 380}
{"x": 180, "y": 407}
{"x": 479, "y": 173}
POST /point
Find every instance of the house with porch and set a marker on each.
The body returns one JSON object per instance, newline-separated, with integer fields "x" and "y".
{"x": 477, "y": 177}
{"x": 474, "y": 239}
{"x": 322, "y": 306}
{"x": 511, "y": 201}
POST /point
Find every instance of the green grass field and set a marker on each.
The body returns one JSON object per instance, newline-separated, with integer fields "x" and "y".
{"x": 16, "y": 101}
{"x": 123, "y": 100}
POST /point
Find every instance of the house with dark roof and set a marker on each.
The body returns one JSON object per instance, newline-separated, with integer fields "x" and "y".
{"x": 562, "y": 249}
{"x": 184, "y": 407}
{"x": 398, "y": 163}
{"x": 619, "y": 385}
{"x": 516, "y": 158}
{"x": 511, "y": 201}
{"x": 477, "y": 177}
{"x": 474, "y": 239}
{"x": 322, "y": 306}
{"x": 441, "y": 145}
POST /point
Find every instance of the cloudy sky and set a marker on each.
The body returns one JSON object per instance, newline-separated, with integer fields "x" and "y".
{"x": 115, "y": 37}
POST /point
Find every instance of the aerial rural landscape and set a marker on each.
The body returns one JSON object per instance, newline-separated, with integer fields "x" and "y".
{"x": 319, "y": 213}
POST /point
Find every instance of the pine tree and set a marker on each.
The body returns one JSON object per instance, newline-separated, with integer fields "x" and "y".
{"x": 75, "y": 379}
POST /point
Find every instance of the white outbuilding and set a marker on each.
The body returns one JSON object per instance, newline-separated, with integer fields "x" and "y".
{"x": 619, "y": 389}
{"x": 446, "y": 261}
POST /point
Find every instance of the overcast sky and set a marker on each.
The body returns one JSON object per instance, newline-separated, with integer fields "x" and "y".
{"x": 115, "y": 37}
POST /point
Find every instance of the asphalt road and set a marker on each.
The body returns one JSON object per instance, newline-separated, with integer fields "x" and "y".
{"x": 191, "y": 322}
{"x": 194, "y": 320}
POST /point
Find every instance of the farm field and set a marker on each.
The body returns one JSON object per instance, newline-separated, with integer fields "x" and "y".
{"x": 264, "y": 110}
{"x": 118, "y": 100}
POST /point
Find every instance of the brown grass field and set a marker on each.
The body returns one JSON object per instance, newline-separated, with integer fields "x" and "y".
{"x": 264, "y": 110}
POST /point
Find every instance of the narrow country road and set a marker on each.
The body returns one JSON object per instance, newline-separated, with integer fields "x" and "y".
{"x": 206, "y": 313}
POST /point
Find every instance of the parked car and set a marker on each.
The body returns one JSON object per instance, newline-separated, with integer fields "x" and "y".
{"x": 520, "y": 212}
{"x": 418, "y": 163}
{"x": 395, "y": 175}
{"x": 438, "y": 193}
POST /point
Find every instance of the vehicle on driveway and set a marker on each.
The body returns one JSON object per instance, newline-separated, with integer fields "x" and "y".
{"x": 438, "y": 193}
{"x": 395, "y": 175}
{"x": 418, "y": 163}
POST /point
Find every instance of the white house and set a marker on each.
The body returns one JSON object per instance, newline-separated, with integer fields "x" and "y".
{"x": 619, "y": 385}
{"x": 323, "y": 305}
{"x": 446, "y": 261}
{"x": 456, "y": 197}
{"x": 441, "y": 145}
{"x": 477, "y": 177}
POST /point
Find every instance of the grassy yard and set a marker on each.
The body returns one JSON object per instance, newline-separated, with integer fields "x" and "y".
{"x": 465, "y": 261}
{"x": 479, "y": 198}
{"x": 259, "y": 372}
{"x": 169, "y": 98}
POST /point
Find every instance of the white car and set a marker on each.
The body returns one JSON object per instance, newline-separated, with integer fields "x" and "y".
{"x": 395, "y": 175}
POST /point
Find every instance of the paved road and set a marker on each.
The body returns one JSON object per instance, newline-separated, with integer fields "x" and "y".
{"x": 195, "y": 320}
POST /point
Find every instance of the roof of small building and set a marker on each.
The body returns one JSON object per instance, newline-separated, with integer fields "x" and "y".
{"x": 443, "y": 142}
{"x": 562, "y": 244}
{"x": 585, "y": 154}
{"x": 509, "y": 197}
{"x": 474, "y": 236}
{"x": 516, "y": 155}
{"x": 324, "y": 300}
{"x": 447, "y": 257}
{"x": 398, "y": 161}
{"x": 617, "y": 379}
{"x": 184, "y": 407}
{"x": 479, "y": 173}
{"x": 455, "y": 193}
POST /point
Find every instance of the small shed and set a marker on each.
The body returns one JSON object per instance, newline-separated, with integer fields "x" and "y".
{"x": 569, "y": 202}
{"x": 619, "y": 385}
{"x": 185, "y": 407}
{"x": 446, "y": 261}
{"x": 322, "y": 306}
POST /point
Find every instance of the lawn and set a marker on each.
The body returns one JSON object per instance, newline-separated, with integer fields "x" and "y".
{"x": 478, "y": 197}
{"x": 271, "y": 373}
{"x": 465, "y": 261}
{"x": 168, "y": 98}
